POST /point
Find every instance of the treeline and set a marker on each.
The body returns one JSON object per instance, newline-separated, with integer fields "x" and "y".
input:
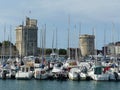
{"x": 6, "y": 44}
{"x": 48, "y": 51}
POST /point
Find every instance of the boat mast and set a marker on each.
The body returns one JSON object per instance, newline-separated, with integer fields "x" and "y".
{"x": 3, "y": 48}
{"x": 79, "y": 41}
{"x": 53, "y": 43}
{"x": 26, "y": 45}
{"x": 22, "y": 42}
{"x": 42, "y": 45}
{"x": 104, "y": 43}
{"x": 68, "y": 51}
{"x": 113, "y": 38}
{"x": 94, "y": 33}
{"x": 76, "y": 52}
{"x": 10, "y": 42}
{"x": 57, "y": 51}
{"x": 40, "y": 42}
{"x": 45, "y": 39}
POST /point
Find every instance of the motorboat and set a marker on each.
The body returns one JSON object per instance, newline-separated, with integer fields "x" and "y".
{"x": 101, "y": 73}
{"x": 25, "y": 72}
{"x": 40, "y": 73}
{"x": 8, "y": 74}
{"x": 74, "y": 74}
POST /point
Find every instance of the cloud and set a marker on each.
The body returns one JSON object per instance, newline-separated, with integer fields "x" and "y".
{"x": 89, "y": 12}
{"x": 100, "y": 10}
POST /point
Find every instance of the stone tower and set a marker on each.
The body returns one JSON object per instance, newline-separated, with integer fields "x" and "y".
{"x": 87, "y": 44}
{"x": 26, "y": 38}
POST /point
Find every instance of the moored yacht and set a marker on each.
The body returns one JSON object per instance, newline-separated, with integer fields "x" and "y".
{"x": 59, "y": 72}
{"x": 101, "y": 73}
{"x": 74, "y": 74}
{"x": 40, "y": 73}
{"x": 25, "y": 72}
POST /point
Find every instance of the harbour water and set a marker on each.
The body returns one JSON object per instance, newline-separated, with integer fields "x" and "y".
{"x": 57, "y": 85}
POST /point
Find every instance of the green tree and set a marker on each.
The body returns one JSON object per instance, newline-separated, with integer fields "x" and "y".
{"x": 48, "y": 51}
{"x": 7, "y": 43}
{"x": 62, "y": 51}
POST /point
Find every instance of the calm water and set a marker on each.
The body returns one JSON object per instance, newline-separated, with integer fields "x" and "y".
{"x": 57, "y": 85}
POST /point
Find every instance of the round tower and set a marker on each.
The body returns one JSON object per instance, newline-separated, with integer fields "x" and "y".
{"x": 87, "y": 44}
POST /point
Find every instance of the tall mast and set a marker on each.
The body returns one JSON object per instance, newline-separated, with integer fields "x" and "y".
{"x": 57, "y": 43}
{"x": 53, "y": 43}
{"x": 22, "y": 42}
{"x": 104, "y": 43}
{"x": 113, "y": 32}
{"x": 80, "y": 29}
{"x": 113, "y": 38}
{"x": 68, "y": 36}
{"x": 40, "y": 42}
{"x": 45, "y": 39}
{"x": 79, "y": 37}
{"x": 26, "y": 45}
{"x": 76, "y": 53}
{"x": 94, "y": 33}
{"x": 42, "y": 45}
{"x": 10, "y": 42}
{"x": 4, "y": 45}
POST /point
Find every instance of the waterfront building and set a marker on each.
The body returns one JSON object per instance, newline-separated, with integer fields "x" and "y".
{"x": 87, "y": 45}
{"x": 112, "y": 49}
{"x": 74, "y": 53}
{"x": 26, "y": 37}
{"x": 9, "y": 50}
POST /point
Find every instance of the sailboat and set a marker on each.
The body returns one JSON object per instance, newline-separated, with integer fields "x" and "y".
{"x": 99, "y": 72}
{"x": 8, "y": 70}
{"x": 54, "y": 55}
{"x": 41, "y": 71}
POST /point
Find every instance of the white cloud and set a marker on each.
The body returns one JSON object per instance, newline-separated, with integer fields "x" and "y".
{"x": 101, "y": 10}
{"x": 56, "y": 11}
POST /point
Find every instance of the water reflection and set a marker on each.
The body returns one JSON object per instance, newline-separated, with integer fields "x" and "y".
{"x": 57, "y": 85}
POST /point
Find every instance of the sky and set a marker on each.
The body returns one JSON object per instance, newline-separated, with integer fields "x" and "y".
{"x": 102, "y": 15}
